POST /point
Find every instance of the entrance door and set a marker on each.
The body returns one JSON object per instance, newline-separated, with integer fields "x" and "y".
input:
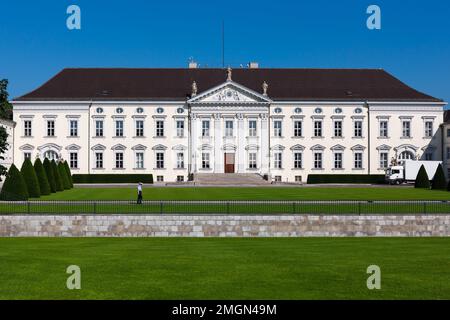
{"x": 229, "y": 162}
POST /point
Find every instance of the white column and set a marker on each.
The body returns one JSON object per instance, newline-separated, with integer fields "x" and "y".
{"x": 193, "y": 144}
{"x": 218, "y": 154}
{"x": 240, "y": 148}
{"x": 264, "y": 136}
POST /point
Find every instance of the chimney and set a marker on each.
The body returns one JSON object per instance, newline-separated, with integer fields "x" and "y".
{"x": 193, "y": 65}
{"x": 253, "y": 65}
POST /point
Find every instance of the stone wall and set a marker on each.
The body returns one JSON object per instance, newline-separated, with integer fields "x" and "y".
{"x": 222, "y": 225}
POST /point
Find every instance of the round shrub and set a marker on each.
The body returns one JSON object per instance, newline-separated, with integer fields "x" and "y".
{"x": 63, "y": 174}
{"x": 422, "y": 180}
{"x": 58, "y": 179}
{"x": 14, "y": 188}
{"x": 31, "y": 180}
{"x": 50, "y": 175}
{"x": 44, "y": 186}
{"x": 439, "y": 181}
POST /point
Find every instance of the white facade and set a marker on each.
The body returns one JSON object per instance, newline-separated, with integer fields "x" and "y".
{"x": 9, "y": 154}
{"x": 228, "y": 128}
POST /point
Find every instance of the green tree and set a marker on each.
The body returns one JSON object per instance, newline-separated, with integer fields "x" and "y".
{"x": 14, "y": 188}
{"x": 422, "y": 180}
{"x": 42, "y": 177}
{"x": 439, "y": 181}
{"x": 51, "y": 177}
{"x": 69, "y": 173}
{"x": 5, "y": 106}
{"x": 58, "y": 179}
{"x": 3, "y": 148}
{"x": 31, "y": 180}
{"x": 63, "y": 174}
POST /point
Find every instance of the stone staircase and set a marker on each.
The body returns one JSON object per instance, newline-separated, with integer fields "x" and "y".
{"x": 229, "y": 179}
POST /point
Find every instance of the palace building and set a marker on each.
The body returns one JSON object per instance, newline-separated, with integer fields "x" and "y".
{"x": 283, "y": 123}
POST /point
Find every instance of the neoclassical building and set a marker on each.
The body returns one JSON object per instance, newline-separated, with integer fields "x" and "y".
{"x": 284, "y": 123}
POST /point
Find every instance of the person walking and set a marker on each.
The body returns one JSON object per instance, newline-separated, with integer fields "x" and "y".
{"x": 139, "y": 190}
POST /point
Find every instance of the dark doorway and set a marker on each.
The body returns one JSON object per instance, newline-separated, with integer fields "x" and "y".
{"x": 229, "y": 162}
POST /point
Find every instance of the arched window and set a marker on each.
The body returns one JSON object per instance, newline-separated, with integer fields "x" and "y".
{"x": 405, "y": 155}
{"x": 51, "y": 155}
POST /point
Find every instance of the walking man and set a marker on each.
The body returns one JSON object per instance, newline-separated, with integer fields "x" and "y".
{"x": 139, "y": 189}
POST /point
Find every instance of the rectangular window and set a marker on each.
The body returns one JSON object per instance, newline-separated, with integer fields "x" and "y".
{"x": 160, "y": 128}
{"x": 119, "y": 160}
{"x": 180, "y": 178}
{"x": 180, "y": 160}
{"x": 119, "y": 128}
{"x": 429, "y": 129}
{"x": 277, "y": 128}
{"x": 50, "y": 128}
{"x": 278, "y": 161}
{"x": 317, "y": 160}
{"x": 252, "y": 128}
{"x": 139, "y": 160}
{"x": 429, "y": 156}
{"x": 205, "y": 128}
{"x": 384, "y": 162}
{"x": 180, "y": 128}
{"x": 228, "y": 128}
{"x": 298, "y": 178}
{"x": 252, "y": 160}
{"x": 406, "y": 129}
{"x": 73, "y": 161}
{"x": 448, "y": 131}
{"x": 338, "y": 129}
{"x": 448, "y": 153}
{"x": 99, "y": 160}
{"x": 298, "y": 160}
{"x": 160, "y": 160}
{"x": 160, "y": 178}
{"x": 298, "y": 129}
{"x": 27, "y": 155}
{"x": 383, "y": 129}
{"x": 205, "y": 161}
{"x": 358, "y": 129}
{"x": 27, "y": 128}
{"x": 73, "y": 128}
{"x": 139, "y": 128}
{"x": 317, "y": 128}
{"x": 358, "y": 160}
{"x": 99, "y": 128}
{"x": 277, "y": 178}
{"x": 338, "y": 160}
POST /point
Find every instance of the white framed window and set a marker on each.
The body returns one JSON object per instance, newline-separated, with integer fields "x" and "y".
{"x": 252, "y": 160}
{"x": 27, "y": 128}
{"x": 384, "y": 160}
{"x": 206, "y": 160}
{"x": 406, "y": 129}
{"x": 358, "y": 129}
{"x": 180, "y": 178}
{"x": 252, "y": 128}
{"x": 73, "y": 160}
{"x": 278, "y": 160}
{"x": 298, "y": 128}
{"x": 298, "y": 160}
{"x": 358, "y": 163}
{"x": 139, "y": 160}
{"x": 180, "y": 160}
{"x": 338, "y": 128}
{"x": 205, "y": 128}
{"x": 50, "y": 128}
{"x": 160, "y": 128}
{"x": 277, "y": 128}
{"x": 429, "y": 156}
{"x": 26, "y": 155}
{"x": 384, "y": 129}
{"x": 119, "y": 160}
{"x": 99, "y": 128}
{"x": 448, "y": 153}
{"x": 180, "y": 128}
{"x": 51, "y": 155}
{"x": 448, "y": 133}
{"x": 317, "y": 160}
{"x": 99, "y": 160}
{"x": 428, "y": 129}
{"x": 317, "y": 128}
{"x": 338, "y": 156}
{"x": 228, "y": 128}
{"x": 160, "y": 160}
{"x": 73, "y": 130}
{"x": 160, "y": 178}
{"x": 298, "y": 178}
{"x": 119, "y": 128}
{"x": 139, "y": 128}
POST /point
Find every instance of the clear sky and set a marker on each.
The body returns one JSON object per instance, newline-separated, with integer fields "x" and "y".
{"x": 413, "y": 43}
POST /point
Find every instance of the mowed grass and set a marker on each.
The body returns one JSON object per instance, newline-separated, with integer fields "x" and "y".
{"x": 251, "y": 193}
{"x": 226, "y": 268}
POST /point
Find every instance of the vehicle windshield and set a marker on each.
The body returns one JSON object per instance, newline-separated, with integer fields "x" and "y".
{"x": 395, "y": 171}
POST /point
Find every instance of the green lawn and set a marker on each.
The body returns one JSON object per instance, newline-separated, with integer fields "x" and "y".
{"x": 230, "y": 268}
{"x": 251, "y": 193}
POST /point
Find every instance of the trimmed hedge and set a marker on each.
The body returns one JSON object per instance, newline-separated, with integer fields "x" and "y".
{"x": 439, "y": 181}
{"x": 422, "y": 180}
{"x": 58, "y": 179}
{"x": 69, "y": 174}
{"x": 112, "y": 178}
{"x": 50, "y": 175}
{"x": 30, "y": 178}
{"x": 346, "y": 178}
{"x": 14, "y": 188}
{"x": 44, "y": 186}
{"x": 63, "y": 174}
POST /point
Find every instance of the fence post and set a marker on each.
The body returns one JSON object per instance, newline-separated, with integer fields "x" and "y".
{"x": 160, "y": 207}
{"x": 228, "y": 207}
{"x": 293, "y": 207}
{"x": 95, "y": 207}
{"x": 424, "y": 207}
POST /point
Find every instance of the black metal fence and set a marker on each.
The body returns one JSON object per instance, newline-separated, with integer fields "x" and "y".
{"x": 225, "y": 207}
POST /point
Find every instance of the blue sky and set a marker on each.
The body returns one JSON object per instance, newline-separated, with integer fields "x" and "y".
{"x": 413, "y": 44}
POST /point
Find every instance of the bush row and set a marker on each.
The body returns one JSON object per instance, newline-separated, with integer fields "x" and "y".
{"x": 112, "y": 178}
{"x": 345, "y": 178}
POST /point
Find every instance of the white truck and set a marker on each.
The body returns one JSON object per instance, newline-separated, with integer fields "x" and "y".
{"x": 409, "y": 170}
